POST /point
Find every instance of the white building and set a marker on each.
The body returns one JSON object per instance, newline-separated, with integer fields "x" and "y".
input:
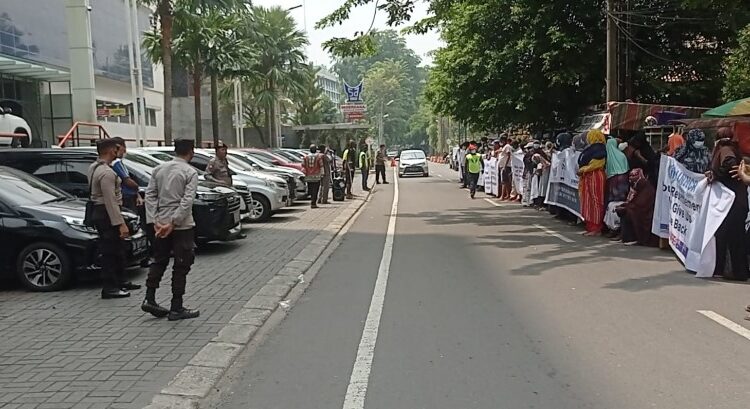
{"x": 35, "y": 69}
{"x": 330, "y": 83}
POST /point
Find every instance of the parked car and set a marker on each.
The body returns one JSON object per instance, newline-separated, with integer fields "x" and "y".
{"x": 12, "y": 124}
{"x": 294, "y": 177}
{"x": 289, "y": 154}
{"x": 268, "y": 193}
{"x": 215, "y": 209}
{"x": 413, "y": 162}
{"x": 42, "y": 236}
{"x": 275, "y": 159}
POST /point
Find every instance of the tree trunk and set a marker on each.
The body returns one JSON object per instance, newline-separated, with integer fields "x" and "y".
{"x": 197, "y": 98}
{"x": 215, "y": 108}
{"x": 270, "y": 123}
{"x": 164, "y": 9}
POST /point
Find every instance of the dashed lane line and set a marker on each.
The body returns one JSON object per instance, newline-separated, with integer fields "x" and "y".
{"x": 726, "y": 323}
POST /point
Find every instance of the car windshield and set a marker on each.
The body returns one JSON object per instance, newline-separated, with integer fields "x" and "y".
{"x": 412, "y": 155}
{"x": 238, "y": 163}
{"x": 243, "y": 158}
{"x": 268, "y": 160}
{"x": 143, "y": 159}
{"x": 21, "y": 189}
{"x": 289, "y": 156}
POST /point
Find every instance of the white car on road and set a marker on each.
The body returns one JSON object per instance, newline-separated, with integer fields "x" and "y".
{"x": 11, "y": 124}
{"x": 413, "y": 162}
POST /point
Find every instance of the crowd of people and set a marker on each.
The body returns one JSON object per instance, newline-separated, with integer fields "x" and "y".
{"x": 618, "y": 183}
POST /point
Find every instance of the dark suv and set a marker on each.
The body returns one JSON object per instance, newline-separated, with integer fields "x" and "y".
{"x": 42, "y": 235}
{"x": 216, "y": 209}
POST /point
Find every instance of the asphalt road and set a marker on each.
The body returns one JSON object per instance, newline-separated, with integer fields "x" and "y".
{"x": 491, "y": 306}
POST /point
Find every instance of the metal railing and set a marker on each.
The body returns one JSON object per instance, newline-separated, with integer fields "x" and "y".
{"x": 74, "y": 134}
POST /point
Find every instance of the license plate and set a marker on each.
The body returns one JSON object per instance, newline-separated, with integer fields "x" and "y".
{"x": 236, "y": 216}
{"x": 139, "y": 245}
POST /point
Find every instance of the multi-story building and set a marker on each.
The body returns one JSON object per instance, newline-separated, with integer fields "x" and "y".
{"x": 35, "y": 67}
{"x": 330, "y": 83}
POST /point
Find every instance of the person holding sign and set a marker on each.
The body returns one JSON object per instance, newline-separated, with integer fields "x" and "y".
{"x": 730, "y": 237}
{"x": 591, "y": 165}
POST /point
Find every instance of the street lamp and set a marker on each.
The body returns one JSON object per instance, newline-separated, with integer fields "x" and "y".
{"x": 382, "y": 116}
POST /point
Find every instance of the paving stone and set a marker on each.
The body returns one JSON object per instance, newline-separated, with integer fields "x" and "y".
{"x": 90, "y": 354}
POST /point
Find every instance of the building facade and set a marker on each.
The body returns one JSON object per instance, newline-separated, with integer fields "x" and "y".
{"x": 331, "y": 84}
{"x": 35, "y": 69}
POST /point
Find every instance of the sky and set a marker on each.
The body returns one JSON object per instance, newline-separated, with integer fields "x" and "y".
{"x": 313, "y": 10}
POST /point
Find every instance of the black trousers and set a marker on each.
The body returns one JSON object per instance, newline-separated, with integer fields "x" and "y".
{"x": 473, "y": 180}
{"x": 181, "y": 244}
{"x": 730, "y": 237}
{"x": 379, "y": 171}
{"x": 349, "y": 180}
{"x": 129, "y": 202}
{"x": 111, "y": 252}
{"x": 365, "y": 175}
{"x": 313, "y": 188}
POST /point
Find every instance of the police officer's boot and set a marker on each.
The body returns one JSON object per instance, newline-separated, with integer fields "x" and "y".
{"x": 150, "y": 306}
{"x": 179, "y": 312}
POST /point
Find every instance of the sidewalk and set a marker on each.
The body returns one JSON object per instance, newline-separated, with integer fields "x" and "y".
{"x": 71, "y": 349}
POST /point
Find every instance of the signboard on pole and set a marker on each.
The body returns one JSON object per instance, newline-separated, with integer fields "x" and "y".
{"x": 354, "y": 93}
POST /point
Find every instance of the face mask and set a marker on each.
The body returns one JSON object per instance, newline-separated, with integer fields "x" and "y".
{"x": 537, "y": 146}
{"x": 622, "y": 146}
{"x": 698, "y": 144}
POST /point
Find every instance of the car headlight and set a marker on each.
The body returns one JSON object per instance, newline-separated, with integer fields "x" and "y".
{"x": 208, "y": 196}
{"x": 77, "y": 224}
{"x": 401, "y": 165}
{"x": 282, "y": 185}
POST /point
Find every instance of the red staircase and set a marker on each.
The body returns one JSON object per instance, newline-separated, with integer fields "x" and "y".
{"x": 92, "y": 132}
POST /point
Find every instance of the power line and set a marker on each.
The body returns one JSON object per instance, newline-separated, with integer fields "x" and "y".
{"x": 629, "y": 36}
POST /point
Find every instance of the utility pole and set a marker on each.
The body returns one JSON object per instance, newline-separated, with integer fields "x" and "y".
{"x": 612, "y": 83}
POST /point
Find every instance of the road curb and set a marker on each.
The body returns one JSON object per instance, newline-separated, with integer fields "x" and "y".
{"x": 206, "y": 368}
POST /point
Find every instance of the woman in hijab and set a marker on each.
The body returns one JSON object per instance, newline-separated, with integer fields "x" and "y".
{"x": 730, "y": 237}
{"x": 528, "y": 174}
{"x": 579, "y": 142}
{"x": 541, "y": 164}
{"x": 591, "y": 186}
{"x": 564, "y": 140}
{"x": 617, "y": 173}
{"x": 694, "y": 154}
{"x": 674, "y": 142}
{"x": 645, "y": 155}
{"x": 637, "y": 213}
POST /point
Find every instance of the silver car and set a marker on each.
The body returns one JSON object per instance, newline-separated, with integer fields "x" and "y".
{"x": 413, "y": 162}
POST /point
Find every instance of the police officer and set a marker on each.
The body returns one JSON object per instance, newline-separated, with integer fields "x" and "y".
{"x": 364, "y": 166}
{"x": 106, "y": 194}
{"x": 350, "y": 165}
{"x": 325, "y": 182}
{"x": 169, "y": 207}
{"x": 217, "y": 170}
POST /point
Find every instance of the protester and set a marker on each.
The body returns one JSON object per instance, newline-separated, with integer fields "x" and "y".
{"x": 106, "y": 195}
{"x": 591, "y": 165}
{"x": 505, "y": 168}
{"x": 312, "y": 165}
{"x": 217, "y": 170}
{"x": 617, "y": 173}
{"x": 730, "y": 237}
{"x": 131, "y": 198}
{"x": 515, "y": 196}
{"x": 462, "y": 164}
{"x": 579, "y": 142}
{"x": 637, "y": 213}
{"x": 540, "y": 163}
{"x": 564, "y": 141}
{"x": 674, "y": 142}
{"x": 646, "y": 156}
{"x": 325, "y": 182}
{"x": 474, "y": 167}
{"x": 380, "y": 159}
{"x": 694, "y": 155}
{"x": 169, "y": 207}
{"x": 528, "y": 174}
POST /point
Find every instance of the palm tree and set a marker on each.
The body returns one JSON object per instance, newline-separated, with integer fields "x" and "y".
{"x": 165, "y": 19}
{"x": 206, "y": 43}
{"x": 280, "y": 61}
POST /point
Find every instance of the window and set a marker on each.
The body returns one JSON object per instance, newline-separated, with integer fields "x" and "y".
{"x": 150, "y": 117}
{"x": 77, "y": 171}
{"x": 49, "y": 172}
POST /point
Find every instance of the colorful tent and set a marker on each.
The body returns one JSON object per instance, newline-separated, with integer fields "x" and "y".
{"x": 741, "y": 107}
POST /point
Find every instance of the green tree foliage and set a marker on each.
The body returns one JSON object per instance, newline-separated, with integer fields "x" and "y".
{"x": 164, "y": 13}
{"x": 389, "y": 81}
{"x": 737, "y": 67}
{"x": 206, "y": 43}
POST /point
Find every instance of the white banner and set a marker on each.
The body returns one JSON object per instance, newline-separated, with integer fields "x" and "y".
{"x": 688, "y": 211}
{"x": 516, "y": 164}
{"x": 562, "y": 189}
{"x": 492, "y": 177}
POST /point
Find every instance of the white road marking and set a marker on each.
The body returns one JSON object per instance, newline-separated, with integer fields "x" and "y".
{"x": 727, "y": 323}
{"x": 554, "y": 233}
{"x": 356, "y": 392}
{"x": 492, "y": 202}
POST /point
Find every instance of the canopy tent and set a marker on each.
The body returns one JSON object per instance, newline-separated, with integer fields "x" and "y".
{"x": 741, "y": 107}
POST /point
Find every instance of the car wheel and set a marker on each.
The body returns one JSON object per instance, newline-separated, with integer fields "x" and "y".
{"x": 43, "y": 267}
{"x": 400, "y": 175}
{"x": 22, "y": 142}
{"x": 426, "y": 174}
{"x": 260, "y": 208}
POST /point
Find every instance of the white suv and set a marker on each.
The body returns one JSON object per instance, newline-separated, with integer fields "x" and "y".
{"x": 11, "y": 124}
